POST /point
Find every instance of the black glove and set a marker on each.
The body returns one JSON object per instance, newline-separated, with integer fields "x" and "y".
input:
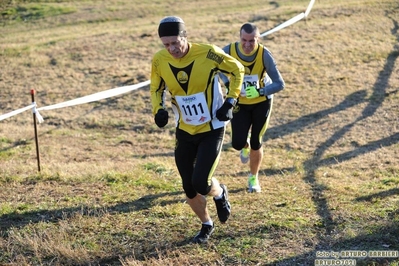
{"x": 225, "y": 112}
{"x": 161, "y": 118}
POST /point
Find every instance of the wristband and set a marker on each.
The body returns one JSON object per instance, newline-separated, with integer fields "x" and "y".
{"x": 262, "y": 91}
{"x": 231, "y": 101}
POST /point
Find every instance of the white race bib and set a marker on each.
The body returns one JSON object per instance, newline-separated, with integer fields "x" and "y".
{"x": 249, "y": 80}
{"x": 194, "y": 109}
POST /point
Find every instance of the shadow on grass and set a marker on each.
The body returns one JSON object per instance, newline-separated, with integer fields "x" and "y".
{"x": 304, "y": 121}
{"x": 381, "y": 238}
{"x": 270, "y": 172}
{"x": 379, "y": 195}
{"x": 312, "y": 164}
{"x": 146, "y": 202}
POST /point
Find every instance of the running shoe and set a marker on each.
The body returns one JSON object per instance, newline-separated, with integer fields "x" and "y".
{"x": 204, "y": 234}
{"x": 223, "y": 206}
{"x": 253, "y": 184}
{"x": 244, "y": 155}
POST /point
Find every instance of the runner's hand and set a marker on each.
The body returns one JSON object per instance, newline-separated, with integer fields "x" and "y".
{"x": 225, "y": 112}
{"x": 161, "y": 118}
{"x": 252, "y": 92}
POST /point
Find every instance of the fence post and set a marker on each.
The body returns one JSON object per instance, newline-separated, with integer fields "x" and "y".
{"x": 32, "y": 92}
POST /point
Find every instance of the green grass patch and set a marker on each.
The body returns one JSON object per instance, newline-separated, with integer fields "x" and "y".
{"x": 34, "y": 11}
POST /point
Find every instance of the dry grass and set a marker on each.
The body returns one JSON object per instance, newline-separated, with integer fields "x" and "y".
{"x": 108, "y": 192}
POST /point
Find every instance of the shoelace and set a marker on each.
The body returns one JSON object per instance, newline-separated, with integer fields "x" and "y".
{"x": 205, "y": 231}
{"x": 225, "y": 204}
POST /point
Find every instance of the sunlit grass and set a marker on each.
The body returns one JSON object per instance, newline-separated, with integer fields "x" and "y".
{"x": 109, "y": 193}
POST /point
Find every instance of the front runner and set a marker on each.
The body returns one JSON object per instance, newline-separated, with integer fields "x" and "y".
{"x": 189, "y": 72}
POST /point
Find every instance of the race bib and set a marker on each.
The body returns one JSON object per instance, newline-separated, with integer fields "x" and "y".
{"x": 249, "y": 80}
{"x": 194, "y": 109}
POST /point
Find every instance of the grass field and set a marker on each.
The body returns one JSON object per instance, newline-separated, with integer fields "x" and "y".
{"x": 109, "y": 193}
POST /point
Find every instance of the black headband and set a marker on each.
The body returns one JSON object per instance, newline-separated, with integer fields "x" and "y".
{"x": 171, "y": 29}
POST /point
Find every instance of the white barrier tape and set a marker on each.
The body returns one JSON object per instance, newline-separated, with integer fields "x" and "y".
{"x": 96, "y": 96}
{"x": 86, "y": 99}
{"x": 36, "y": 112}
{"x": 309, "y": 8}
{"x": 285, "y": 24}
{"x": 113, "y": 92}
{"x": 290, "y": 21}
{"x": 18, "y": 111}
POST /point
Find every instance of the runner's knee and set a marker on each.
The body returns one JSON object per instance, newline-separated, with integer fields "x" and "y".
{"x": 238, "y": 145}
{"x": 256, "y": 145}
{"x": 190, "y": 192}
{"x": 201, "y": 186}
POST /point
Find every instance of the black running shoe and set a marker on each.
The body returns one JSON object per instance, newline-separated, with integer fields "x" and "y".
{"x": 204, "y": 234}
{"x": 223, "y": 206}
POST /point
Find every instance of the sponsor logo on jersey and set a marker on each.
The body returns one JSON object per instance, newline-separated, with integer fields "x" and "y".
{"x": 182, "y": 77}
{"x": 215, "y": 57}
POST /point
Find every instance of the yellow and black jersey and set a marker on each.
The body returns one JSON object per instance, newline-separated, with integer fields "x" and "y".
{"x": 260, "y": 71}
{"x": 193, "y": 84}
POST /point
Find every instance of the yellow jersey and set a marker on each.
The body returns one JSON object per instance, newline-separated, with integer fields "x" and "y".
{"x": 194, "y": 86}
{"x": 260, "y": 71}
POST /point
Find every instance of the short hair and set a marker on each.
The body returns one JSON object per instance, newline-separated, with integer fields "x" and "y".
{"x": 171, "y": 26}
{"x": 250, "y": 28}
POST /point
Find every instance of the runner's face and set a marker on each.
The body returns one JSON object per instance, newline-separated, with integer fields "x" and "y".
{"x": 176, "y": 45}
{"x": 248, "y": 41}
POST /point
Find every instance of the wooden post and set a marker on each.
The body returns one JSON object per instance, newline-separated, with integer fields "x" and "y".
{"x": 32, "y": 92}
